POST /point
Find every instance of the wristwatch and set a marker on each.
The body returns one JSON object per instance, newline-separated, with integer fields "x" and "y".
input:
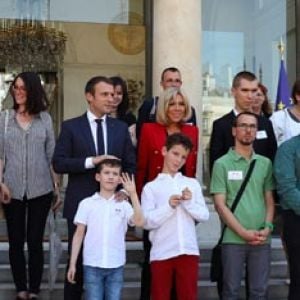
{"x": 269, "y": 225}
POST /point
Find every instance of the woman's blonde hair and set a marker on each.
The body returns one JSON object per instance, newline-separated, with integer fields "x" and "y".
{"x": 163, "y": 104}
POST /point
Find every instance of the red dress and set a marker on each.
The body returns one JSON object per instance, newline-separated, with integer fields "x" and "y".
{"x": 150, "y": 160}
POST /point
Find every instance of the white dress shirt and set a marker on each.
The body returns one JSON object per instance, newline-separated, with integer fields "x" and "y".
{"x": 172, "y": 230}
{"x": 91, "y": 118}
{"x": 106, "y": 221}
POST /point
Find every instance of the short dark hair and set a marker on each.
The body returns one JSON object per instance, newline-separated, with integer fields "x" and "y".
{"x": 242, "y": 75}
{"x": 179, "y": 139}
{"x": 90, "y": 85}
{"x": 109, "y": 162}
{"x": 36, "y": 97}
{"x": 247, "y": 113}
{"x": 169, "y": 69}
{"x": 124, "y": 105}
{"x": 295, "y": 90}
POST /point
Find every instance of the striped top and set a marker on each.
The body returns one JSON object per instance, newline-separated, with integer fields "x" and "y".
{"x": 28, "y": 154}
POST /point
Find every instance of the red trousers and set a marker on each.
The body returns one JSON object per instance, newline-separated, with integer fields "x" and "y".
{"x": 184, "y": 269}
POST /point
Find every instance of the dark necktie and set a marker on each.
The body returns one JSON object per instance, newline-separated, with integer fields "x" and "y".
{"x": 100, "y": 140}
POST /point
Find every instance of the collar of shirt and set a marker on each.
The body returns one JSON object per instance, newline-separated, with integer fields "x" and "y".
{"x": 237, "y": 156}
{"x": 12, "y": 114}
{"x": 93, "y": 125}
{"x": 163, "y": 176}
{"x": 91, "y": 117}
{"x": 104, "y": 199}
{"x": 235, "y": 112}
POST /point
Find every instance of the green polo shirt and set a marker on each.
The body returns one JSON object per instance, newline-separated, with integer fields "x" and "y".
{"x": 227, "y": 176}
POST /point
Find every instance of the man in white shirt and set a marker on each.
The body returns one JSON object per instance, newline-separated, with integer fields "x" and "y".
{"x": 172, "y": 203}
{"x": 82, "y": 143}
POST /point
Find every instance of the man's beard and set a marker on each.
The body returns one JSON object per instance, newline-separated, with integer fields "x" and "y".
{"x": 246, "y": 143}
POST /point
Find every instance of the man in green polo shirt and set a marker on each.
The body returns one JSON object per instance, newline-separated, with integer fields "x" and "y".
{"x": 246, "y": 238}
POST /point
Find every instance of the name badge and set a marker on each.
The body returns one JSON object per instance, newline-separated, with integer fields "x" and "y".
{"x": 261, "y": 134}
{"x": 235, "y": 175}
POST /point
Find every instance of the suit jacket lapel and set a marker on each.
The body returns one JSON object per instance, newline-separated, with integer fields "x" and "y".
{"x": 87, "y": 134}
{"x": 232, "y": 115}
{"x": 110, "y": 134}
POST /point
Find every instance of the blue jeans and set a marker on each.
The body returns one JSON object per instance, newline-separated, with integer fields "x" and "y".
{"x": 103, "y": 283}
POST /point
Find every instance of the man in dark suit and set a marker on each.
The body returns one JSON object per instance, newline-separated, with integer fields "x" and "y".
{"x": 170, "y": 77}
{"x": 83, "y": 142}
{"x": 244, "y": 88}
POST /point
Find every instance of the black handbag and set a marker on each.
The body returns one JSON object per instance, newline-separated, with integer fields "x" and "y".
{"x": 216, "y": 270}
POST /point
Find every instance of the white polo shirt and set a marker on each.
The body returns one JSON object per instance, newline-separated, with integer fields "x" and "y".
{"x": 106, "y": 221}
{"x": 172, "y": 231}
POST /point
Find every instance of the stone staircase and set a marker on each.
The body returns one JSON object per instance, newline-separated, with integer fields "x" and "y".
{"x": 207, "y": 290}
{"x": 207, "y": 236}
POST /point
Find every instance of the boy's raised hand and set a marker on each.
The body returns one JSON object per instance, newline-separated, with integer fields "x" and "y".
{"x": 128, "y": 183}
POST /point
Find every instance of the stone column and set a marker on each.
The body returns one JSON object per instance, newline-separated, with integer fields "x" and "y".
{"x": 177, "y": 42}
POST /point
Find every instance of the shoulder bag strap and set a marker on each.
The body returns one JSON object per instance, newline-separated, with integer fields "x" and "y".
{"x": 239, "y": 195}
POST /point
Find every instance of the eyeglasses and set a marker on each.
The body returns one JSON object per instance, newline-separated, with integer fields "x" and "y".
{"x": 19, "y": 88}
{"x": 245, "y": 126}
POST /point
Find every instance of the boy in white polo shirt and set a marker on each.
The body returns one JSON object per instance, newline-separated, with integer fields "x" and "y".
{"x": 172, "y": 204}
{"x": 102, "y": 223}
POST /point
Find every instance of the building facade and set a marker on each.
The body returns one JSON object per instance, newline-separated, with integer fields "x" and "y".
{"x": 69, "y": 41}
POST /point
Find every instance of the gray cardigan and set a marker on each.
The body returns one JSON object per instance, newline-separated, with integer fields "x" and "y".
{"x": 28, "y": 155}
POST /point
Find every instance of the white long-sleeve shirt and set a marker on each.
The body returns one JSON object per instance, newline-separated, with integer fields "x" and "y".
{"x": 285, "y": 125}
{"x": 172, "y": 230}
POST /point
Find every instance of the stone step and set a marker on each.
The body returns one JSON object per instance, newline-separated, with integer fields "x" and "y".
{"x": 132, "y": 272}
{"x": 208, "y": 234}
{"x": 135, "y": 251}
{"x": 206, "y": 291}
{"x": 135, "y": 257}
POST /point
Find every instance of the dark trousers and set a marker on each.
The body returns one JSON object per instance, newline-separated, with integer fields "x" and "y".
{"x": 257, "y": 259}
{"x": 220, "y": 285}
{"x": 146, "y": 271}
{"x": 291, "y": 229}
{"x": 73, "y": 291}
{"x": 31, "y": 229}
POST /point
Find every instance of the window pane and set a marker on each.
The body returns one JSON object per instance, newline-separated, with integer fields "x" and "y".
{"x": 98, "y": 11}
{"x": 242, "y": 35}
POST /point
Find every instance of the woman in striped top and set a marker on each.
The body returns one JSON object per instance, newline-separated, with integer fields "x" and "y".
{"x": 27, "y": 142}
